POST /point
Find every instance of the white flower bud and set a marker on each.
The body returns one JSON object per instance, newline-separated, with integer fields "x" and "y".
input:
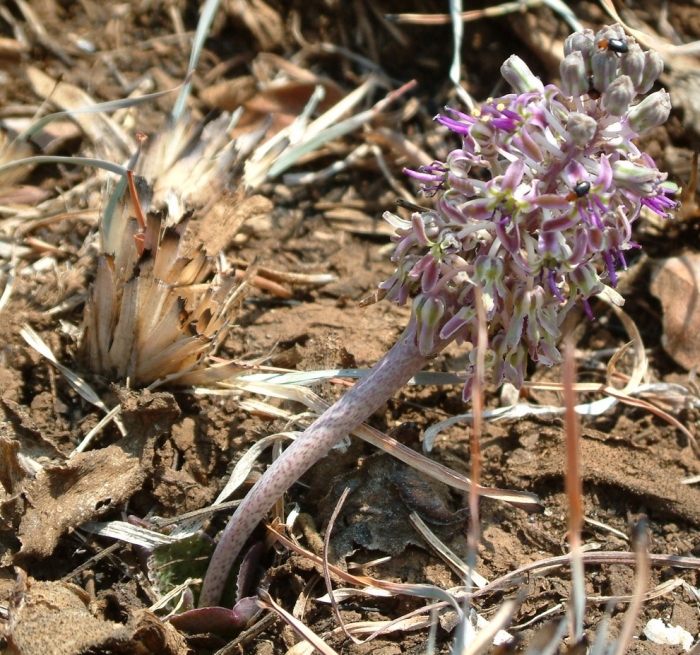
{"x": 574, "y": 77}
{"x": 582, "y": 128}
{"x": 653, "y": 67}
{"x": 519, "y": 76}
{"x": 633, "y": 64}
{"x": 650, "y": 112}
{"x": 618, "y": 96}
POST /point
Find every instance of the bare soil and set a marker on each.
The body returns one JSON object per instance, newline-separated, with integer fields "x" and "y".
{"x": 177, "y": 458}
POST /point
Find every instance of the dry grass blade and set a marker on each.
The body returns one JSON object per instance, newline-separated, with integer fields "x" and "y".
{"x": 263, "y": 166}
{"x": 418, "y": 590}
{"x": 483, "y": 639}
{"x": 238, "y": 477}
{"x": 456, "y": 564}
{"x": 640, "y": 541}
{"x": 322, "y": 647}
{"x": 617, "y": 557}
{"x": 128, "y": 533}
{"x": 100, "y": 129}
{"x": 636, "y": 402}
{"x": 105, "y": 420}
{"x": 150, "y": 315}
{"x": 326, "y": 571}
{"x": 658, "y": 591}
{"x": 77, "y": 382}
{"x": 574, "y": 492}
{"x": 524, "y": 500}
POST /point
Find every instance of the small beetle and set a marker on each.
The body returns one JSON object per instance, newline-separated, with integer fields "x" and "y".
{"x": 618, "y": 46}
{"x": 581, "y": 188}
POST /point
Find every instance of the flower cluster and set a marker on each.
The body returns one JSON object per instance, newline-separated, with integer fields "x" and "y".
{"x": 536, "y": 207}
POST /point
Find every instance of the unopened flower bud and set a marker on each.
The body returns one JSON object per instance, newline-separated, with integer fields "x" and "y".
{"x": 604, "y": 65}
{"x": 482, "y": 133}
{"x": 580, "y": 42}
{"x": 618, "y": 95}
{"x": 519, "y": 76}
{"x": 633, "y": 64}
{"x": 608, "y": 33}
{"x": 464, "y": 316}
{"x": 418, "y": 225}
{"x": 574, "y": 77}
{"x": 653, "y": 67}
{"x": 582, "y": 128}
{"x": 428, "y": 311}
{"x": 642, "y": 180}
{"x": 650, "y": 112}
{"x": 586, "y": 279}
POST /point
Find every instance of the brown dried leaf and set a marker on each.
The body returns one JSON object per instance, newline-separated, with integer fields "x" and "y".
{"x": 264, "y": 22}
{"x": 63, "y": 497}
{"x": 11, "y": 472}
{"x": 11, "y": 150}
{"x": 151, "y": 635}
{"x": 676, "y": 283}
{"x": 55, "y": 618}
{"x": 229, "y": 95}
{"x": 26, "y": 195}
{"x": 291, "y": 97}
{"x": 52, "y": 618}
{"x": 12, "y": 477}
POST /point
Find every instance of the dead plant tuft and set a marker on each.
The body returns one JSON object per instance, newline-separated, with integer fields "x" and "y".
{"x": 158, "y": 309}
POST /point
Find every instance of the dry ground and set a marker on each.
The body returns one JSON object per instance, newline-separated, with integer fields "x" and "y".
{"x": 632, "y": 460}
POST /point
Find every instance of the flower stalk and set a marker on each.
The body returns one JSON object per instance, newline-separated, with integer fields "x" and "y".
{"x": 533, "y": 212}
{"x": 394, "y": 370}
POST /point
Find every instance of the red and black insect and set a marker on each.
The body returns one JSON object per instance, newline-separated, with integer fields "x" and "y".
{"x": 618, "y": 46}
{"x": 581, "y": 188}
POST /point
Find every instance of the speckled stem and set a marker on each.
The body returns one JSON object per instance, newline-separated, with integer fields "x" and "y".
{"x": 398, "y": 366}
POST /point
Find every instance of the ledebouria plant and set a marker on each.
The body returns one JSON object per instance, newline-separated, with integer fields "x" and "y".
{"x": 535, "y": 208}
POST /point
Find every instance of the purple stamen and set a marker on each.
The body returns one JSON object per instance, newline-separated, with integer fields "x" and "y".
{"x": 587, "y": 307}
{"x": 553, "y": 287}
{"x": 611, "y": 267}
{"x": 455, "y": 126}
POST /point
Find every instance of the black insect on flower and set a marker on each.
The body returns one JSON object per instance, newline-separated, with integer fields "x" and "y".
{"x": 618, "y": 46}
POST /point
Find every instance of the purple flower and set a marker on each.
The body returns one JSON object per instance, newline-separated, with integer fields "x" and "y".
{"x": 536, "y": 206}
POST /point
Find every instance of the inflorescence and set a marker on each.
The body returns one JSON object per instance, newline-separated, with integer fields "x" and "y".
{"x": 536, "y": 206}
